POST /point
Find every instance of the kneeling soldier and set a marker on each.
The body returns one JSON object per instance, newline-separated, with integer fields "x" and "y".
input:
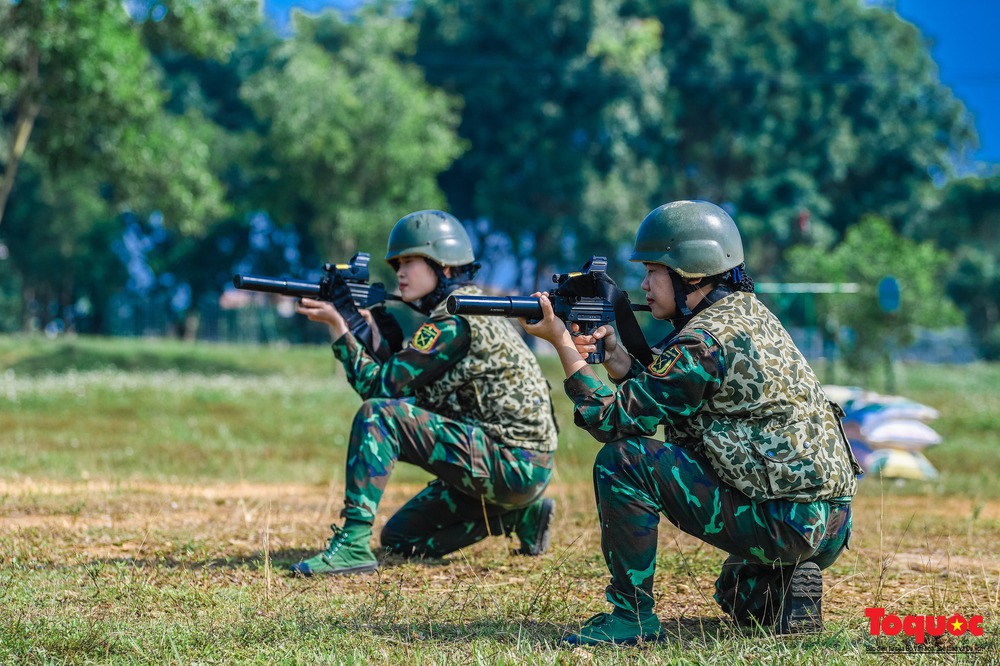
{"x": 754, "y": 463}
{"x": 464, "y": 400}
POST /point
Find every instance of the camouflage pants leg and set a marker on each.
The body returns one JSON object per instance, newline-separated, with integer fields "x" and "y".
{"x": 462, "y": 457}
{"x": 637, "y": 479}
{"x": 439, "y": 520}
{"x": 751, "y": 592}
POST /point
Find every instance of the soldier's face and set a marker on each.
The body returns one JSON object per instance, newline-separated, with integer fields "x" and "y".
{"x": 659, "y": 290}
{"x": 416, "y": 278}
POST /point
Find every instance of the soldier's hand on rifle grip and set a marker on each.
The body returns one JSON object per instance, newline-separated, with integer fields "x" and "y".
{"x": 587, "y": 343}
{"x": 549, "y": 328}
{"x": 323, "y": 312}
{"x": 596, "y": 356}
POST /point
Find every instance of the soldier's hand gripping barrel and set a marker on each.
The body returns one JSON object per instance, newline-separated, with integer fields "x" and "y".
{"x": 575, "y": 299}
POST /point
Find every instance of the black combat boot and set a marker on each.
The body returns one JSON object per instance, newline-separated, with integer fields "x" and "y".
{"x": 534, "y": 527}
{"x": 801, "y": 608}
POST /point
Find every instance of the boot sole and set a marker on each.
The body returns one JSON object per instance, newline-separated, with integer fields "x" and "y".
{"x": 802, "y": 611}
{"x": 544, "y": 521}
{"x": 647, "y": 638}
{"x": 362, "y": 568}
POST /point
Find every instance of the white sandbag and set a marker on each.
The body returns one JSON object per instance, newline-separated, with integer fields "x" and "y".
{"x": 900, "y": 434}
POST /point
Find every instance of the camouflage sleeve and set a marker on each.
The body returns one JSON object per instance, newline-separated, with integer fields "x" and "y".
{"x": 436, "y": 346}
{"x": 634, "y": 371}
{"x": 676, "y": 384}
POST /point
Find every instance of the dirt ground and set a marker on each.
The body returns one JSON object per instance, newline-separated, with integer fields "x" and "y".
{"x": 910, "y": 554}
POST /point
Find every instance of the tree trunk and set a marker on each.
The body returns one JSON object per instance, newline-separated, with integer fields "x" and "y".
{"x": 191, "y": 323}
{"x": 27, "y": 113}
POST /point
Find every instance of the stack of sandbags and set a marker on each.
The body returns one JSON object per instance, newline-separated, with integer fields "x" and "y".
{"x": 888, "y": 433}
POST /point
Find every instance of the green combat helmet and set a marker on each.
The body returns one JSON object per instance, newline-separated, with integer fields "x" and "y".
{"x": 432, "y": 234}
{"x": 694, "y": 238}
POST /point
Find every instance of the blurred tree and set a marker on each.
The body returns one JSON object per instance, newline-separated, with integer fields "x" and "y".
{"x": 78, "y": 90}
{"x": 557, "y": 96}
{"x": 965, "y": 221}
{"x": 204, "y": 264}
{"x": 354, "y": 137}
{"x": 84, "y": 124}
{"x": 59, "y": 230}
{"x": 803, "y": 115}
{"x": 870, "y": 251}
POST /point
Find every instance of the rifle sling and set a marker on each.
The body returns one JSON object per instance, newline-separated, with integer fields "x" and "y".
{"x": 388, "y": 326}
{"x": 356, "y": 324}
{"x": 625, "y": 321}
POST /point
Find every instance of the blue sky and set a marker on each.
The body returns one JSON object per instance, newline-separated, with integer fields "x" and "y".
{"x": 964, "y": 37}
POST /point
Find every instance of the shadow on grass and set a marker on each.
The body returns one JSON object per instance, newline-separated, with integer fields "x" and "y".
{"x": 702, "y": 631}
{"x": 499, "y": 631}
{"x": 279, "y": 559}
{"x": 688, "y": 629}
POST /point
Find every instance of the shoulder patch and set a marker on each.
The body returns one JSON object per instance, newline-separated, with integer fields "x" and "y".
{"x": 663, "y": 363}
{"x": 425, "y": 337}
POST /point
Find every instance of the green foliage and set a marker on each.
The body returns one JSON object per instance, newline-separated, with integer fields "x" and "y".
{"x": 803, "y": 115}
{"x": 207, "y": 29}
{"x": 870, "y": 251}
{"x": 356, "y": 134}
{"x": 83, "y": 71}
{"x": 965, "y": 220}
{"x": 555, "y": 94}
{"x": 561, "y": 123}
{"x": 10, "y": 294}
{"x": 59, "y": 232}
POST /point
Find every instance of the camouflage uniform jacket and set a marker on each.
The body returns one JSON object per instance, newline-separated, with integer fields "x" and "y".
{"x": 732, "y": 386}
{"x": 475, "y": 370}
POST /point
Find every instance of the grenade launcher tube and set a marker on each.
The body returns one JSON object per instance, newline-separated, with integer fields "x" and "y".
{"x": 277, "y": 286}
{"x": 497, "y": 306}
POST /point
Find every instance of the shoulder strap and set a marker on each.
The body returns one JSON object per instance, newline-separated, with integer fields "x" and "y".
{"x": 628, "y": 328}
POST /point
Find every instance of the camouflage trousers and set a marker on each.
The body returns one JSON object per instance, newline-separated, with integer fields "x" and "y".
{"x": 480, "y": 489}
{"x": 637, "y": 479}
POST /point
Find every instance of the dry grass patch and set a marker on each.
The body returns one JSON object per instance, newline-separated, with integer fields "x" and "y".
{"x": 204, "y": 566}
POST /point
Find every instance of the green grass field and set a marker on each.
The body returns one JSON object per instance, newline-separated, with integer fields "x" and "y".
{"x": 152, "y": 494}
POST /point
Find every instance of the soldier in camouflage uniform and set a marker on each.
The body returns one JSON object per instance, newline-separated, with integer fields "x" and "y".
{"x": 755, "y": 462}
{"x": 465, "y": 400}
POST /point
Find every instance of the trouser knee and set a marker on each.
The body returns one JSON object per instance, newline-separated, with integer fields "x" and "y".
{"x": 395, "y": 538}
{"x": 376, "y": 415}
{"x": 612, "y": 457}
{"x": 376, "y": 407}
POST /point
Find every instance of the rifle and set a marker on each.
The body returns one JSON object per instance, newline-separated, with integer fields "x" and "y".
{"x": 346, "y": 286}
{"x": 587, "y": 297}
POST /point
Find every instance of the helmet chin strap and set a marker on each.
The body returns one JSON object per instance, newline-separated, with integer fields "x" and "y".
{"x": 445, "y": 285}
{"x": 682, "y": 288}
